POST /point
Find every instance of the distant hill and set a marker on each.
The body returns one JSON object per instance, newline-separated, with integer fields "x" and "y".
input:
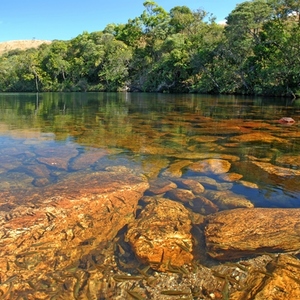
{"x": 21, "y": 44}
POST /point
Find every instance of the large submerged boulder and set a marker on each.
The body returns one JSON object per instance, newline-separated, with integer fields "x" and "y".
{"x": 161, "y": 235}
{"x": 50, "y": 229}
{"x": 240, "y": 232}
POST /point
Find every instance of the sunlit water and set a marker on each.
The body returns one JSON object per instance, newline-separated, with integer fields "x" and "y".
{"x": 138, "y": 130}
{"x": 48, "y": 139}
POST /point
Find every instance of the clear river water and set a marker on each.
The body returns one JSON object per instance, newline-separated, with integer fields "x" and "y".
{"x": 58, "y": 242}
{"x": 153, "y": 131}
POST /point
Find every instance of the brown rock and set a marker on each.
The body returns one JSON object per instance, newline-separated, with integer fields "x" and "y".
{"x": 57, "y": 157}
{"x": 212, "y": 183}
{"x": 175, "y": 169}
{"x": 153, "y": 165}
{"x": 55, "y": 162}
{"x": 13, "y": 181}
{"x": 86, "y": 159}
{"x": 190, "y": 184}
{"x": 41, "y": 182}
{"x": 160, "y": 186}
{"x": 236, "y": 233}
{"x": 257, "y": 137}
{"x": 59, "y": 224}
{"x": 215, "y": 166}
{"x": 248, "y": 184}
{"x": 161, "y": 235}
{"x": 291, "y": 160}
{"x": 180, "y": 195}
{"x": 279, "y": 171}
{"x": 282, "y": 282}
{"x": 205, "y": 139}
{"x": 209, "y": 155}
{"x": 204, "y": 206}
{"x": 227, "y": 199}
{"x": 230, "y": 176}
{"x": 9, "y": 162}
{"x": 37, "y": 170}
{"x": 258, "y": 125}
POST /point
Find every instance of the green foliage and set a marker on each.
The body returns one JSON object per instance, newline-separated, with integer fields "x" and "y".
{"x": 257, "y": 52}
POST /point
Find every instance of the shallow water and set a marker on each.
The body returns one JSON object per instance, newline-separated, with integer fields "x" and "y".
{"x": 56, "y": 142}
{"x": 142, "y": 131}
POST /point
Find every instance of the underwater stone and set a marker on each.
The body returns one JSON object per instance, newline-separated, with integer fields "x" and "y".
{"x": 161, "y": 236}
{"x": 240, "y": 232}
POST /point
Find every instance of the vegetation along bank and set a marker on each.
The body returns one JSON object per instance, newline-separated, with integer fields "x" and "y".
{"x": 255, "y": 53}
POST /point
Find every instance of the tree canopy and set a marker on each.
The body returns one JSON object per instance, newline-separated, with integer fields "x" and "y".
{"x": 256, "y": 52}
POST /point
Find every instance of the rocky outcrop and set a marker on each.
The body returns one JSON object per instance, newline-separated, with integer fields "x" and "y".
{"x": 240, "y": 232}
{"x": 161, "y": 235}
{"x": 52, "y": 229}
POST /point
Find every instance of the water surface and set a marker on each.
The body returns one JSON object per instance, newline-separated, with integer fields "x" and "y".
{"x": 150, "y": 132}
{"x": 56, "y": 147}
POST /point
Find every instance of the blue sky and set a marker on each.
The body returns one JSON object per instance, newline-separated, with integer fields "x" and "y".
{"x": 65, "y": 19}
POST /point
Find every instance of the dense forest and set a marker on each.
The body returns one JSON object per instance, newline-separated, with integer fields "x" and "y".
{"x": 257, "y": 52}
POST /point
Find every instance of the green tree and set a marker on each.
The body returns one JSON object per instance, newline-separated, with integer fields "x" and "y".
{"x": 182, "y": 18}
{"x": 277, "y": 58}
{"x": 56, "y": 63}
{"x": 114, "y": 67}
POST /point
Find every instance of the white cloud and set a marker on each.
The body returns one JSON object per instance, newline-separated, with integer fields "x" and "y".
{"x": 222, "y": 22}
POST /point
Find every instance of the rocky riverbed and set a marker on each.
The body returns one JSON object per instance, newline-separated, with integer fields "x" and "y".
{"x": 178, "y": 204}
{"x": 114, "y": 233}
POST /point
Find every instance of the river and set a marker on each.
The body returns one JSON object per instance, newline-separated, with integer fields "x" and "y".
{"x": 53, "y": 141}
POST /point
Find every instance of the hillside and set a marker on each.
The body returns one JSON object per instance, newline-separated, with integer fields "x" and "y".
{"x": 20, "y": 44}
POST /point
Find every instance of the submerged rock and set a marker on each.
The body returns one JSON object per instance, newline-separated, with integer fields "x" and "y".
{"x": 212, "y": 183}
{"x": 49, "y": 230}
{"x": 286, "y": 120}
{"x": 231, "y": 176}
{"x": 248, "y": 184}
{"x": 227, "y": 199}
{"x": 257, "y": 137}
{"x": 280, "y": 280}
{"x": 279, "y": 171}
{"x": 291, "y": 160}
{"x": 86, "y": 159}
{"x": 207, "y": 155}
{"x": 190, "y": 184}
{"x": 160, "y": 186}
{"x": 161, "y": 235}
{"x": 56, "y": 157}
{"x": 181, "y": 195}
{"x": 153, "y": 165}
{"x": 213, "y": 165}
{"x": 175, "y": 169}
{"x": 237, "y": 233}
{"x": 204, "y": 206}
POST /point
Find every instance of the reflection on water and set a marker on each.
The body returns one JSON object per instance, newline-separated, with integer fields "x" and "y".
{"x": 55, "y": 146}
{"x": 42, "y": 135}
